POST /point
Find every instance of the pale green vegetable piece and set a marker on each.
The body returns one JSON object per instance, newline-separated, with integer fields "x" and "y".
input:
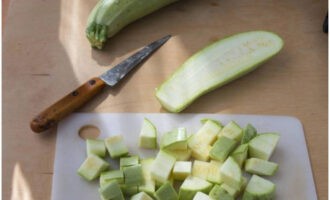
{"x": 180, "y": 155}
{"x": 217, "y": 65}
{"x": 263, "y": 145}
{"x": 148, "y": 135}
{"x": 191, "y": 186}
{"x": 175, "y": 140}
{"x": 207, "y": 134}
{"x": 95, "y": 147}
{"x": 92, "y": 167}
{"x": 214, "y": 175}
{"x": 162, "y": 167}
{"x": 128, "y": 161}
{"x": 200, "y": 169}
{"x": 222, "y": 148}
{"x": 108, "y": 17}
{"x": 231, "y": 191}
{"x": 166, "y": 192}
{"x": 129, "y": 190}
{"x": 181, "y": 170}
{"x": 249, "y": 132}
{"x": 240, "y": 154}
{"x": 201, "y": 151}
{"x": 231, "y": 173}
{"x": 116, "y": 146}
{"x": 232, "y": 130}
{"x": 259, "y": 189}
{"x": 201, "y": 196}
{"x": 218, "y": 193}
{"x": 133, "y": 175}
{"x": 203, "y": 121}
{"x": 111, "y": 191}
{"x": 141, "y": 196}
{"x": 108, "y": 176}
{"x": 260, "y": 167}
{"x": 149, "y": 184}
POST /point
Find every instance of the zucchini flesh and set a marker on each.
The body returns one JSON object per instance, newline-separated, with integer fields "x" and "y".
{"x": 216, "y": 65}
{"x": 259, "y": 189}
{"x": 108, "y": 17}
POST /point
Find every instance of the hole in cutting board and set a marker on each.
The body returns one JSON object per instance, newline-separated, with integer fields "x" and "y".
{"x": 89, "y": 132}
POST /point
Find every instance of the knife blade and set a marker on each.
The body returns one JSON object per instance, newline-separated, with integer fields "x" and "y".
{"x": 77, "y": 98}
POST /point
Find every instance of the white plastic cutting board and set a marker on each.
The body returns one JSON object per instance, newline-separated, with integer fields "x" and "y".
{"x": 294, "y": 179}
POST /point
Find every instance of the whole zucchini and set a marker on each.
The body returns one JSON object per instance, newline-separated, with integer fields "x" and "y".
{"x": 108, "y": 17}
{"x": 216, "y": 65}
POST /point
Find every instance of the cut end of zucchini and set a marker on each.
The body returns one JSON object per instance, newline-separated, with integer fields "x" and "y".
{"x": 217, "y": 65}
{"x": 97, "y": 35}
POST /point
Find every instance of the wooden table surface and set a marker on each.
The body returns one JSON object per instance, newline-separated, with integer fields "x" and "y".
{"x": 46, "y": 55}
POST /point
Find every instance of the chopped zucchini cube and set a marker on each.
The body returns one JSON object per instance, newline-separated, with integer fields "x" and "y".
{"x": 207, "y": 134}
{"x": 232, "y": 131}
{"x": 166, "y": 192}
{"x": 214, "y": 175}
{"x": 240, "y": 154}
{"x": 128, "y": 161}
{"x": 108, "y": 176}
{"x": 92, "y": 167}
{"x": 181, "y": 170}
{"x": 231, "y": 191}
{"x": 149, "y": 185}
{"x": 231, "y": 173}
{"x": 95, "y": 147}
{"x": 129, "y": 190}
{"x": 260, "y": 167}
{"x": 141, "y": 196}
{"x": 191, "y": 186}
{"x": 133, "y": 175}
{"x": 111, "y": 191}
{"x": 201, "y": 152}
{"x": 175, "y": 140}
{"x": 249, "y": 132}
{"x": 200, "y": 169}
{"x": 180, "y": 155}
{"x": 218, "y": 193}
{"x": 259, "y": 189}
{"x": 201, "y": 196}
{"x": 162, "y": 167}
{"x": 116, "y": 147}
{"x": 222, "y": 148}
{"x": 263, "y": 145}
{"x": 148, "y": 135}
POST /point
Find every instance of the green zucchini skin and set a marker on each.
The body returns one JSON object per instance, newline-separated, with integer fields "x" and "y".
{"x": 217, "y": 65}
{"x": 108, "y": 17}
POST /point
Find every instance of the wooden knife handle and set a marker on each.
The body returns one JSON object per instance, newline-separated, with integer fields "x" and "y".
{"x": 53, "y": 114}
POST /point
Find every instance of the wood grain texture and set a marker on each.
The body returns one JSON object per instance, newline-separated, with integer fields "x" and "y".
{"x": 69, "y": 103}
{"x": 46, "y": 55}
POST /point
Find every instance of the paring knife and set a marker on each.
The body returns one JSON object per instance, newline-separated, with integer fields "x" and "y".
{"x": 53, "y": 114}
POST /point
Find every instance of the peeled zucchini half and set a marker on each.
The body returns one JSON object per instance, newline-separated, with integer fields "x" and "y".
{"x": 216, "y": 65}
